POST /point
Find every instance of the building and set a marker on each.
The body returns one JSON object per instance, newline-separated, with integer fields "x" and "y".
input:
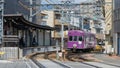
{"x": 93, "y": 14}
{"x": 53, "y": 19}
{"x": 108, "y": 24}
{"x": 116, "y": 26}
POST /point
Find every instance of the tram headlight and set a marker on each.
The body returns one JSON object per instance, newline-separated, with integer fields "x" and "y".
{"x": 74, "y": 45}
{"x": 80, "y": 42}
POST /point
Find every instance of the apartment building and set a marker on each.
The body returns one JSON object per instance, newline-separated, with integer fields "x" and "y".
{"x": 93, "y": 14}
{"x": 108, "y": 24}
{"x": 53, "y": 19}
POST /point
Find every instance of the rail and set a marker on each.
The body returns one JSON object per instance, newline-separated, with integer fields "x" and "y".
{"x": 40, "y": 65}
{"x": 59, "y": 63}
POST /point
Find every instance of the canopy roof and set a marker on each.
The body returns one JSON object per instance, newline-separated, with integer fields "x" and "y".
{"x": 20, "y": 21}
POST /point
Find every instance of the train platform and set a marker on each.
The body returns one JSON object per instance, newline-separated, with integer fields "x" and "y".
{"x": 5, "y": 61}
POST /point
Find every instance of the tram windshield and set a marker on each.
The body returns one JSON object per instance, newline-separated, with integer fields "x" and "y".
{"x": 75, "y": 38}
{"x": 80, "y": 38}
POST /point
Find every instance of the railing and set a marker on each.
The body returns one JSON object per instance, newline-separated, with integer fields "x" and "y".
{"x": 107, "y": 32}
{"x": 100, "y": 36}
{"x": 97, "y": 26}
{"x": 57, "y": 22}
{"x": 10, "y": 38}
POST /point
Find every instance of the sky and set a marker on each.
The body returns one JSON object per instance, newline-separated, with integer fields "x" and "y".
{"x": 76, "y": 1}
{"x": 56, "y": 1}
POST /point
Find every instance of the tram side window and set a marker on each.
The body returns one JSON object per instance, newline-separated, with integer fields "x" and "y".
{"x": 91, "y": 38}
{"x": 75, "y": 38}
{"x": 70, "y": 38}
{"x": 80, "y": 38}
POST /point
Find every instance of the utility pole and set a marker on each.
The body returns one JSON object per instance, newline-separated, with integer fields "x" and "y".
{"x": 1, "y": 20}
{"x": 31, "y": 11}
{"x": 82, "y": 23}
{"x": 62, "y": 31}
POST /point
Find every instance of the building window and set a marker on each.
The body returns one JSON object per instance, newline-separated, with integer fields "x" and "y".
{"x": 43, "y": 23}
{"x": 57, "y": 16}
{"x": 44, "y": 17}
{"x": 98, "y": 31}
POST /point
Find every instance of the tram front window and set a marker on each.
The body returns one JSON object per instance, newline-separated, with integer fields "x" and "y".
{"x": 80, "y": 38}
{"x": 75, "y": 38}
{"x": 70, "y": 38}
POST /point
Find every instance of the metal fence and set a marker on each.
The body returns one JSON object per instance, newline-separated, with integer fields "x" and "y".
{"x": 16, "y": 53}
{"x": 9, "y": 53}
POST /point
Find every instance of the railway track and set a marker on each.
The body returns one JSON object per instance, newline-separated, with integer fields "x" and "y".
{"x": 91, "y": 65}
{"x": 48, "y": 63}
{"x": 98, "y": 64}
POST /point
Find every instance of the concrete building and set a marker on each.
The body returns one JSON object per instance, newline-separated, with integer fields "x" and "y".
{"x": 116, "y": 26}
{"x": 108, "y": 24}
{"x": 93, "y": 14}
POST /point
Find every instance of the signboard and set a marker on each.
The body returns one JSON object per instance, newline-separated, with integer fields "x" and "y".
{"x": 1, "y": 19}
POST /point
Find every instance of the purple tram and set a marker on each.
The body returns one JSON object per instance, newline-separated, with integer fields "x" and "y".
{"x": 81, "y": 40}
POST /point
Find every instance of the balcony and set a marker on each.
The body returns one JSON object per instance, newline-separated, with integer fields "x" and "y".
{"x": 58, "y": 34}
{"x": 57, "y": 22}
{"x": 100, "y": 36}
{"x": 97, "y": 26}
{"x": 107, "y": 32}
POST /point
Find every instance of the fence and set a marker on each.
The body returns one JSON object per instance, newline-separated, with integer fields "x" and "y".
{"x": 9, "y": 53}
{"x": 15, "y": 52}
